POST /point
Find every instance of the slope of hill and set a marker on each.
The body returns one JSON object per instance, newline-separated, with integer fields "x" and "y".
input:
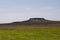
{"x": 31, "y": 23}
{"x": 35, "y": 21}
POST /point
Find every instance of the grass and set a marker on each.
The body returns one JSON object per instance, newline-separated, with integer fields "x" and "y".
{"x": 31, "y": 34}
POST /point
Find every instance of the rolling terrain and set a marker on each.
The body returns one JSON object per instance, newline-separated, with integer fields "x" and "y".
{"x": 32, "y": 29}
{"x": 31, "y": 23}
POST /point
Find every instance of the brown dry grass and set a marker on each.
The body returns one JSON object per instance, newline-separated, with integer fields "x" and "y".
{"x": 27, "y": 26}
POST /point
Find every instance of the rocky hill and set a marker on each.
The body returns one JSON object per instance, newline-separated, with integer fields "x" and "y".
{"x": 36, "y": 21}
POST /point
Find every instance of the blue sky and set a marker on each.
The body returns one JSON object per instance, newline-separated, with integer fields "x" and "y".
{"x": 19, "y": 10}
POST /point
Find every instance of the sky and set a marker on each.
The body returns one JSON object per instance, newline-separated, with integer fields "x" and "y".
{"x": 20, "y": 10}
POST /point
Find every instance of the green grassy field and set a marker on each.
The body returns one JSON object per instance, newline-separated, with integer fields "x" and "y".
{"x": 31, "y": 34}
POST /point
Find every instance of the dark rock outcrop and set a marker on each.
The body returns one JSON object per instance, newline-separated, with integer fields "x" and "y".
{"x": 37, "y": 19}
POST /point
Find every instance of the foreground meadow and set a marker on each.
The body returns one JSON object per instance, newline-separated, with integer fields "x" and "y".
{"x": 31, "y": 34}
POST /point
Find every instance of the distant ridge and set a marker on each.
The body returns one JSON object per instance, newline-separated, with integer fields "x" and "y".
{"x": 35, "y": 21}
{"x": 31, "y": 23}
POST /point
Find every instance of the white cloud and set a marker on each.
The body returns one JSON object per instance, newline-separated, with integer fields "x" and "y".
{"x": 28, "y": 9}
{"x": 46, "y": 8}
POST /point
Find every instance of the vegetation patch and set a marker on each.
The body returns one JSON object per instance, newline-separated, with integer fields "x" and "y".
{"x": 31, "y": 34}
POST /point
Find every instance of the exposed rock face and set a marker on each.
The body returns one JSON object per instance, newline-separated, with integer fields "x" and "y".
{"x": 32, "y": 21}
{"x": 36, "y": 19}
